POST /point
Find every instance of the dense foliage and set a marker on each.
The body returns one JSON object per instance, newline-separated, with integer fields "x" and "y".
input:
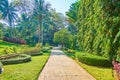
{"x": 98, "y": 26}
{"x": 65, "y": 38}
{"x": 36, "y": 21}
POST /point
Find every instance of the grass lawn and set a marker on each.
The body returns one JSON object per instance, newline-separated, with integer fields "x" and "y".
{"x": 99, "y": 73}
{"x": 25, "y": 71}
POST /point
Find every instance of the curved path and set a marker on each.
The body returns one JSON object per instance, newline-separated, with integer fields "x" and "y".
{"x": 61, "y": 67}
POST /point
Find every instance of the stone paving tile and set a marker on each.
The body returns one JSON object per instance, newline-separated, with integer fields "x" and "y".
{"x": 54, "y": 78}
{"x": 61, "y": 67}
{"x": 71, "y": 77}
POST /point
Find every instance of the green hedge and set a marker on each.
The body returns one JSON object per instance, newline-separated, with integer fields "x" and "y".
{"x": 94, "y": 60}
{"x": 8, "y": 56}
{"x": 35, "y": 54}
{"x": 23, "y": 58}
{"x": 45, "y": 49}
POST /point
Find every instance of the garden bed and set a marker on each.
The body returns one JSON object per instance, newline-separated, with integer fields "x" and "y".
{"x": 25, "y": 71}
{"x": 15, "y": 59}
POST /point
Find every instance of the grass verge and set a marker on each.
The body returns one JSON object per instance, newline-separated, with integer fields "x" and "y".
{"x": 25, "y": 71}
{"x": 100, "y": 73}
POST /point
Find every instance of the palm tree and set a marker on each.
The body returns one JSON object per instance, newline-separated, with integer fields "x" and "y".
{"x": 8, "y": 12}
{"x": 2, "y": 2}
{"x": 41, "y": 9}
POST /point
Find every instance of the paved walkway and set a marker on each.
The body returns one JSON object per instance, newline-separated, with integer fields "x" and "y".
{"x": 61, "y": 67}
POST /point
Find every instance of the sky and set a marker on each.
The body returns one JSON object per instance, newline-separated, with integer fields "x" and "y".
{"x": 61, "y": 5}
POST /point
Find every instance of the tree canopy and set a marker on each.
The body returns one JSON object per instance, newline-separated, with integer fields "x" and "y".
{"x": 98, "y": 23}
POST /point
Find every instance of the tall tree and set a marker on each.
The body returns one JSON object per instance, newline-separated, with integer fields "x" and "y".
{"x": 9, "y": 13}
{"x": 40, "y": 9}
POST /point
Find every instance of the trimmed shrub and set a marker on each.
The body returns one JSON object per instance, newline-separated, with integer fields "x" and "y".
{"x": 94, "y": 60}
{"x": 71, "y": 51}
{"x": 8, "y": 56}
{"x": 36, "y": 51}
{"x": 22, "y": 59}
{"x": 46, "y": 49}
{"x": 70, "y": 55}
{"x": 32, "y": 51}
{"x": 35, "y": 54}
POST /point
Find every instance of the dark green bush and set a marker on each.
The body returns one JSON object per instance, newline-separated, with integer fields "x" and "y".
{"x": 45, "y": 49}
{"x": 35, "y": 54}
{"x": 23, "y": 58}
{"x": 94, "y": 60}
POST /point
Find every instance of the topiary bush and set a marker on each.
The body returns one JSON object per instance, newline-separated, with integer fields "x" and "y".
{"x": 20, "y": 58}
{"x": 94, "y": 60}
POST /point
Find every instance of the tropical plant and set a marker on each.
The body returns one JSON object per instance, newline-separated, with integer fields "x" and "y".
{"x": 8, "y": 13}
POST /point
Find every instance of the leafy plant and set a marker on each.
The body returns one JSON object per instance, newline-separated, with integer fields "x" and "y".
{"x": 71, "y": 51}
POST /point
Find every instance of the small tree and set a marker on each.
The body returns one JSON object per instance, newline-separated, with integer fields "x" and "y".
{"x": 63, "y": 37}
